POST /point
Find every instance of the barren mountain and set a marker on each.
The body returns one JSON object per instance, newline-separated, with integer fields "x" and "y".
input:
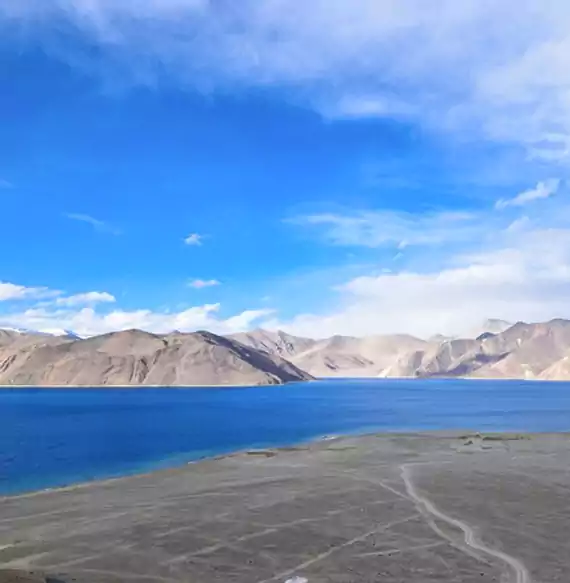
{"x": 490, "y": 326}
{"x": 558, "y": 371}
{"x": 138, "y": 358}
{"x": 436, "y": 358}
{"x": 499, "y": 350}
{"x": 359, "y": 357}
{"x": 527, "y": 351}
{"x": 279, "y": 342}
{"x": 344, "y": 356}
{"x": 8, "y": 336}
{"x": 14, "y": 338}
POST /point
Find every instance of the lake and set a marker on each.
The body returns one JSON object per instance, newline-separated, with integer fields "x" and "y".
{"x": 54, "y": 437}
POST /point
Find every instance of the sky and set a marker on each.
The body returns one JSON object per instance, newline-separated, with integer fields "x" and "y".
{"x": 329, "y": 167}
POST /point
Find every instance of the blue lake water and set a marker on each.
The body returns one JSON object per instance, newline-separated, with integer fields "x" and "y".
{"x": 53, "y": 437}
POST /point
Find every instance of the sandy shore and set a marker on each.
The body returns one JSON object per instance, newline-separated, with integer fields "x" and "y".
{"x": 390, "y": 508}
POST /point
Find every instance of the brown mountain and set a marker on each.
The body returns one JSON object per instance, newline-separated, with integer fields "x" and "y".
{"x": 529, "y": 351}
{"x": 490, "y": 326}
{"x": 279, "y": 342}
{"x": 138, "y": 358}
{"x": 559, "y": 371}
{"x": 526, "y": 351}
{"x": 344, "y": 356}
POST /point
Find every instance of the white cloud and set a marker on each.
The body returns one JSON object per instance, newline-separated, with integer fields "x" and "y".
{"x": 194, "y": 239}
{"x": 542, "y": 190}
{"x": 86, "y": 314}
{"x": 244, "y": 320}
{"x": 202, "y": 283}
{"x": 478, "y": 66}
{"x": 88, "y": 321}
{"x": 486, "y": 265}
{"x": 473, "y": 68}
{"x": 97, "y": 224}
{"x": 85, "y": 299}
{"x": 527, "y": 279}
{"x": 11, "y": 291}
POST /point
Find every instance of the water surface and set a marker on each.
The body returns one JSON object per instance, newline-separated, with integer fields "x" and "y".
{"x": 54, "y": 437}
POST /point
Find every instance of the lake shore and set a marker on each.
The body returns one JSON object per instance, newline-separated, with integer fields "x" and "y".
{"x": 396, "y": 507}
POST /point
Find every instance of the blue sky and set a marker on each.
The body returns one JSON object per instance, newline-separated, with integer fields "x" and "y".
{"x": 341, "y": 167}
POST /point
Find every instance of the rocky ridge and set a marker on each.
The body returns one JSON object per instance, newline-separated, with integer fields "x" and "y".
{"x": 134, "y": 357}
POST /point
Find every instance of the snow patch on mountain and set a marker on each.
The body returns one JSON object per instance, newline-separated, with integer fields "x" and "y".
{"x": 44, "y": 332}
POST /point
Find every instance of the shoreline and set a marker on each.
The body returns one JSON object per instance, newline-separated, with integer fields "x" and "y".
{"x": 454, "y": 504}
{"x": 271, "y": 451}
{"x": 64, "y": 387}
{"x": 284, "y": 384}
{"x": 165, "y": 440}
{"x": 178, "y": 467}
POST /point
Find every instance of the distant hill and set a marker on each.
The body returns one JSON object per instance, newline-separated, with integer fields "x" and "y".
{"x": 135, "y": 357}
{"x": 497, "y": 349}
{"x": 525, "y": 351}
{"x": 343, "y": 356}
{"x": 490, "y": 326}
{"x": 279, "y": 342}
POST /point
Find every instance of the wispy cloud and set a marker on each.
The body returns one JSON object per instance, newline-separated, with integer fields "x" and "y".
{"x": 457, "y": 269}
{"x": 194, "y": 239}
{"x": 542, "y": 190}
{"x": 368, "y": 106}
{"x": 244, "y": 320}
{"x": 97, "y": 224}
{"x": 527, "y": 277}
{"x": 88, "y": 298}
{"x": 495, "y": 69}
{"x": 202, "y": 283}
{"x": 5, "y": 184}
{"x": 392, "y": 228}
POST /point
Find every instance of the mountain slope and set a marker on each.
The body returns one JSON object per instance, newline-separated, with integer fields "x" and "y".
{"x": 346, "y": 356}
{"x": 139, "y": 358}
{"x": 358, "y": 357}
{"x": 490, "y": 326}
{"x": 134, "y": 357}
{"x": 526, "y": 351}
{"x": 12, "y": 337}
{"x": 279, "y": 342}
{"x": 558, "y": 371}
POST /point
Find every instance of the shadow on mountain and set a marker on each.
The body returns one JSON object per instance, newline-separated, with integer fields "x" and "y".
{"x": 470, "y": 366}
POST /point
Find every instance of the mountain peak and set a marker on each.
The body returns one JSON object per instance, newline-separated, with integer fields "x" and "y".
{"x": 490, "y": 326}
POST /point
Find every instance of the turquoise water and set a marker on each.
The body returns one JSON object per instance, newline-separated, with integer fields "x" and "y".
{"x": 54, "y": 437}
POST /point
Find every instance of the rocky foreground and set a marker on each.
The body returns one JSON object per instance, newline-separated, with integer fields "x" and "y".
{"x": 406, "y": 508}
{"x": 134, "y": 357}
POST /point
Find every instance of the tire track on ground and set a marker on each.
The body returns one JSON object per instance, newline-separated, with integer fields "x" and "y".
{"x": 520, "y": 573}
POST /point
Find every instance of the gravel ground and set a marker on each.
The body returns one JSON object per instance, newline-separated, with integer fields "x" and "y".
{"x": 390, "y": 508}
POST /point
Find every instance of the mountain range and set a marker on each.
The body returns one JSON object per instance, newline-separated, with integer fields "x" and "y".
{"x": 134, "y": 357}
{"x": 497, "y": 349}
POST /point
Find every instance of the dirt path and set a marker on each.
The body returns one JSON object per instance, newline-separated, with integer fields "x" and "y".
{"x": 519, "y": 573}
